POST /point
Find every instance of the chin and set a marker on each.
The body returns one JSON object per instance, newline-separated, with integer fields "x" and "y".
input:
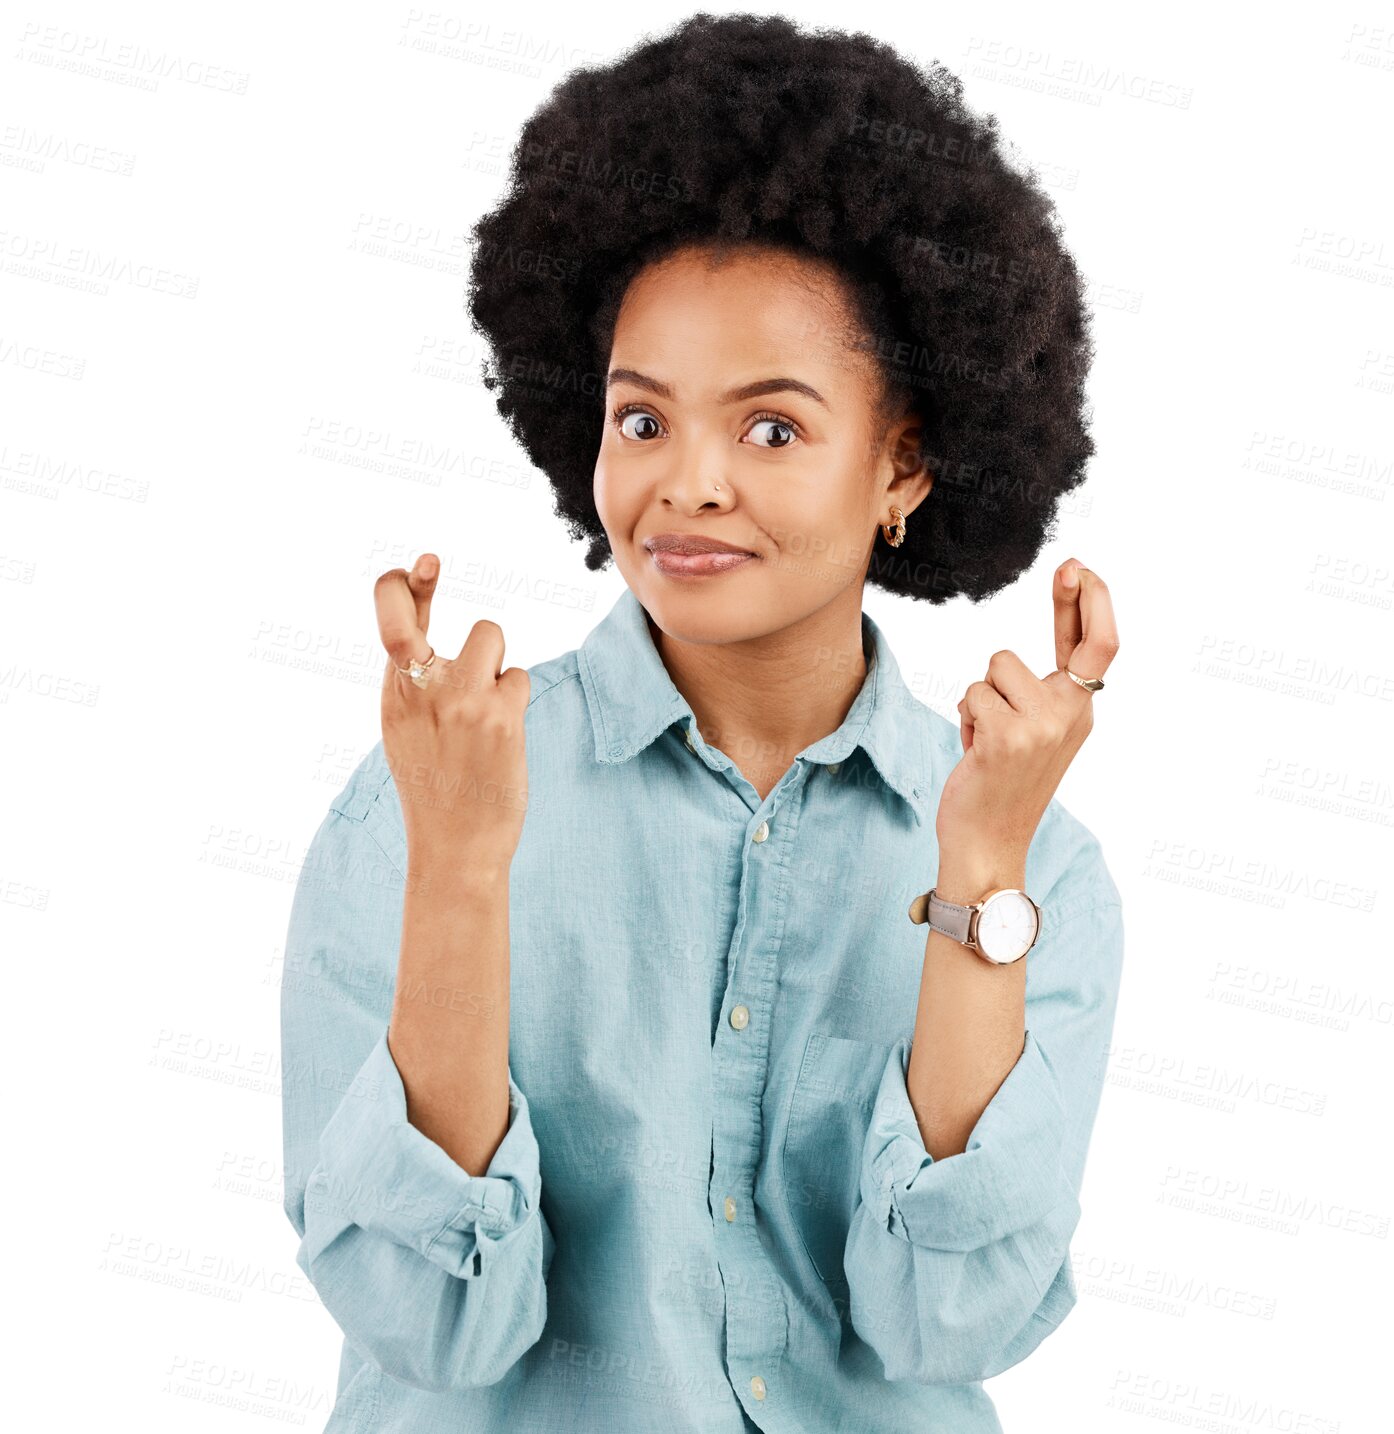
{"x": 697, "y": 617}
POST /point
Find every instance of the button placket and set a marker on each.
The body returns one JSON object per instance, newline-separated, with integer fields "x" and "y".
{"x": 757, "y": 1310}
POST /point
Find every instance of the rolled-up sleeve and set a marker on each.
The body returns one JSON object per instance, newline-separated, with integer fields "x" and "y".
{"x": 958, "y": 1268}
{"x": 378, "y": 1172}
{"x": 435, "y": 1275}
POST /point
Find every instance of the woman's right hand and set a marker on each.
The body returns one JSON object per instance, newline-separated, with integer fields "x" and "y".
{"x": 456, "y": 746}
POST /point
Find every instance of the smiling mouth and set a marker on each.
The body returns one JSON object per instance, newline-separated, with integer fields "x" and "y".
{"x": 697, "y": 565}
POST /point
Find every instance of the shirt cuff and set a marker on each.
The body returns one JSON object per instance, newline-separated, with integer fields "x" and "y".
{"x": 1007, "y": 1179}
{"x": 384, "y": 1175}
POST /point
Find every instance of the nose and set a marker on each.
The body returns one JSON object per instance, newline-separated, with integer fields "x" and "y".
{"x": 694, "y": 476}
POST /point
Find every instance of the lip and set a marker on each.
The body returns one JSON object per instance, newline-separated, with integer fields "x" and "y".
{"x": 699, "y": 565}
{"x": 686, "y": 543}
{"x": 688, "y": 555}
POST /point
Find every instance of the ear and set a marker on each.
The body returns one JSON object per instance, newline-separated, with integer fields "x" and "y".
{"x": 911, "y": 481}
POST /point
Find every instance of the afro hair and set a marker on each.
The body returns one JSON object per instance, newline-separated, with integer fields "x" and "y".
{"x": 748, "y": 129}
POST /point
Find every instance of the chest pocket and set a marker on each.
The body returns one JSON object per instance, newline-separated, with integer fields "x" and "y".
{"x": 828, "y": 1119}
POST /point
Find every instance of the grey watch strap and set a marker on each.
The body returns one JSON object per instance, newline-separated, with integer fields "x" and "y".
{"x": 945, "y": 916}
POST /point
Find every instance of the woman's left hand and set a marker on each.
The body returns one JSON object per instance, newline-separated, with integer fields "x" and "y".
{"x": 1021, "y": 732}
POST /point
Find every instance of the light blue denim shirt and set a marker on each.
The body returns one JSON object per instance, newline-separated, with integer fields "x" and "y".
{"x": 713, "y": 1210}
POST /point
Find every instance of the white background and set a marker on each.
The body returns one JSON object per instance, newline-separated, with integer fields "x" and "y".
{"x": 190, "y": 662}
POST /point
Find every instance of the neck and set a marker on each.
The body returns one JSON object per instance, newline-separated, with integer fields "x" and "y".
{"x": 762, "y": 700}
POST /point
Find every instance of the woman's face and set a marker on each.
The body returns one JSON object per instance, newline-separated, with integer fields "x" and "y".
{"x": 792, "y": 473}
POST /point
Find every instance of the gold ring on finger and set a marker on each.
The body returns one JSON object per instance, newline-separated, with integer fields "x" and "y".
{"x": 417, "y": 670}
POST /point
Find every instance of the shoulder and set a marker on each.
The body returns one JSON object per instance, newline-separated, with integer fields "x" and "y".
{"x": 942, "y": 737}
{"x": 555, "y": 687}
{"x": 1070, "y": 869}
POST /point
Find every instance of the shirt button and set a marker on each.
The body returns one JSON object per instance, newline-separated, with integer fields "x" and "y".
{"x": 834, "y": 767}
{"x": 730, "y": 1208}
{"x": 687, "y": 737}
{"x": 740, "y": 1017}
{"x": 762, "y": 831}
{"x": 757, "y": 1387}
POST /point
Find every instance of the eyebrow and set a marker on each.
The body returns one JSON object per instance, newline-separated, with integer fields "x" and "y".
{"x": 735, "y": 395}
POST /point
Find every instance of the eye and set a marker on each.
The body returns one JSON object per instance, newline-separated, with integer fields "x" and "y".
{"x": 784, "y": 432}
{"x": 777, "y": 422}
{"x": 621, "y": 417}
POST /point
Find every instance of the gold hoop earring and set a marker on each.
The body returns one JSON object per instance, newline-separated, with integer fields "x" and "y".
{"x": 899, "y": 537}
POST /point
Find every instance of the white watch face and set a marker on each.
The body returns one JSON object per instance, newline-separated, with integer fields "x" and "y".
{"x": 1006, "y": 926}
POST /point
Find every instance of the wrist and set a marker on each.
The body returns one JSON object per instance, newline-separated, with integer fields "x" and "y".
{"x": 459, "y": 875}
{"x": 964, "y": 877}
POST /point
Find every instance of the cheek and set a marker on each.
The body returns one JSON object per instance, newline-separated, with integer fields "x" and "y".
{"x": 825, "y": 508}
{"x": 619, "y": 504}
{"x": 603, "y": 491}
{"x": 820, "y": 525}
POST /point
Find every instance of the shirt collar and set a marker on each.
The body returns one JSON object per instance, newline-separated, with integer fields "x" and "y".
{"x": 632, "y": 700}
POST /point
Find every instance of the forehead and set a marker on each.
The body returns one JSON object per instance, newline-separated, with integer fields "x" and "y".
{"x": 752, "y": 307}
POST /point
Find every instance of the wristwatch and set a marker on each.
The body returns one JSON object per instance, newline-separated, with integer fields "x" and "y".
{"x": 1001, "y": 928}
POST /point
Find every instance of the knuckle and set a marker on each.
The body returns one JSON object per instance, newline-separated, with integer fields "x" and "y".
{"x": 495, "y": 721}
{"x": 464, "y": 681}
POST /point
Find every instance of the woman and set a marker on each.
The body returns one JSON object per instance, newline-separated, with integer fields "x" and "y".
{"x": 626, "y": 1085}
